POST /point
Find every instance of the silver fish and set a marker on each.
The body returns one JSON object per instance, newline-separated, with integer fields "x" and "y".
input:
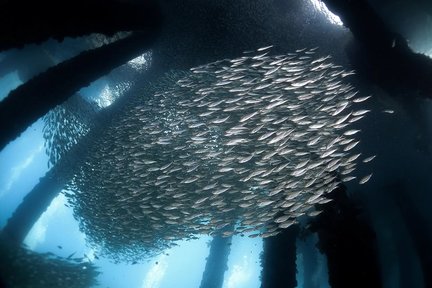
{"x": 365, "y": 179}
{"x": 245, "y": 144}
{"x": 368, "y": 159}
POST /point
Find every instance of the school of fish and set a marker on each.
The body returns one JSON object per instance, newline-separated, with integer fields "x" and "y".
{"x": 244, "y": 145}
{"x": 64, "y": 126}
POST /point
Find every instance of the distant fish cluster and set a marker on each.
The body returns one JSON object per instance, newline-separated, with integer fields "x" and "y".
{"x": 20, "y": 267}
{"x": 64, "y": 126}
{"x": 236, "y": 146}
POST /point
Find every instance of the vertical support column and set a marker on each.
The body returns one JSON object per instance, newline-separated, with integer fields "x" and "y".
{"x": 216, "y": 265}
{"x": 279, "y": 260}
{"x": 348, "y": 242}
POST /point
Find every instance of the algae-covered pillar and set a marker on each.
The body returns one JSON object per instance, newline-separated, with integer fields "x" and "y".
{"x": 348, "y": 242}
{"x": 279, "y": 260}
{"x": 217, "y": 260}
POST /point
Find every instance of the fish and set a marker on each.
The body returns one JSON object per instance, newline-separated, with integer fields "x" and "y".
{"x": 341, "y": 108}
{"x": 252, "y": 142}
{"x": 71, "y": 255}
{"x": 351, "y": 132}
{"x": 348, "y": 178}
{"x": 249, "y": 116}
{"x": 220, "y": 120}
{"x": 360, "y": 112}
{"x": 286, "y": 224}
{"x": 368, "y": 159}
{"x": 361, "y": 99}
{"x": 365, "y": 179}
{"x": 314, "y": 213}
{"x": 351, "y": 145}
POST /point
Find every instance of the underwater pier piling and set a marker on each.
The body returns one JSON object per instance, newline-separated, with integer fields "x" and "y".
{"x": 307, "y": 249}
{"x": 348, "y": 243}
{"x": 72, "y": 19}
{"x": 417, "y": 225}
{"x": 217, "y": 262}
{"x": 279, "y": 259}
{"x": 51, "y": 184}
{"x": 32, "y": 100}
{"x": 383, "y": 55}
